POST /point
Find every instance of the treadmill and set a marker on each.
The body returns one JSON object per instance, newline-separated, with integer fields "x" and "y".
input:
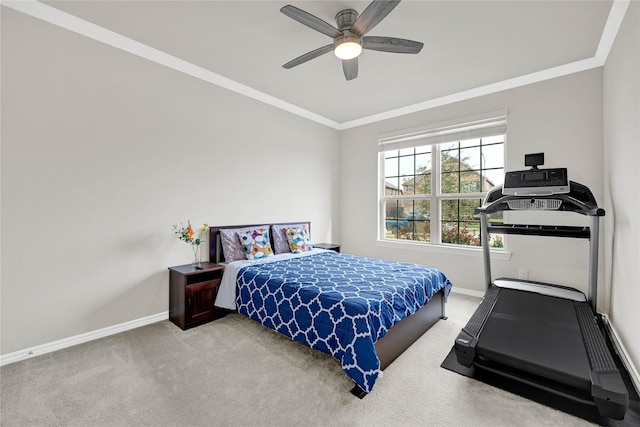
{"x": 539, "y": 334}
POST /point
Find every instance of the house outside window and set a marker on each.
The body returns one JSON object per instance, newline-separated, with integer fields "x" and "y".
{"x": 439, "y": 176}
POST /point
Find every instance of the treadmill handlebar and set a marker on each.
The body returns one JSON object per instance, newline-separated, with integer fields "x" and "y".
{"x": 581, "y": 232}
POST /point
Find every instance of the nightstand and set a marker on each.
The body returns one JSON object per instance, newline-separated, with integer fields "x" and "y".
{"x": 192, "y": 294}
{"x": 329, "y": 246}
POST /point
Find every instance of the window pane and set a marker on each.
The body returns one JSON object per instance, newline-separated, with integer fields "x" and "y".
{"x": 493, "y": 156}
{"x": 470, "y": 182}
{"x": 406, "y": 165}
{"x": 470, "y": 233}
{"x": 395, "y": 209}
{"x": 423, "y": 184}
{"x": 392, "y": 214}
{"x": 405, "y": 228}
{"x": 461, "y": 233}
{"x": 450, "y": 182}
{"x": 391, "y": 167}
{"x": 390, "y": 153}
{"x": 449, "y": 210}
{"x": 450, "y": 232}
{"x": 408, "y": 185}
{"x": 423, "y": 163}
{"x": 422, "y": 209}
{"x": 421, "y": 231}
{"x": 470, "y": 158}
{"x": 406, "y": 152}
{"x": 449, "y": 161}
{"x": 391, "y": 187}
{"x": 467, "y": 209}
{"x": 423, "y": 175}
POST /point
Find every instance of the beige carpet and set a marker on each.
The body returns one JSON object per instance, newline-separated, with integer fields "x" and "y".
{"x": 234, "y": 372}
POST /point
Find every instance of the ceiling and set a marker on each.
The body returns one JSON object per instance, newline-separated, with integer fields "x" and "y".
{"x": 470, "y": 48}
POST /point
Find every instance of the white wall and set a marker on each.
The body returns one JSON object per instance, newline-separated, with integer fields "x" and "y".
{"x": 621, "y": 95}
{"x": 102, "y": 152}
{"x": 560, "y": 117}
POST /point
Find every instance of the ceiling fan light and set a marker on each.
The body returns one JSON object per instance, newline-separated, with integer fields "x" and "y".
{"x": 349, "y": 48}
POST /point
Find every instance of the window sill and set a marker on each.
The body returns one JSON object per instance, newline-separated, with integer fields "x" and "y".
{"x": 476, "y": 252}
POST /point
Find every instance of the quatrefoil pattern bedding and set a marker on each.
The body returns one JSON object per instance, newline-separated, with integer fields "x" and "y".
{"x": 337, "y": 303}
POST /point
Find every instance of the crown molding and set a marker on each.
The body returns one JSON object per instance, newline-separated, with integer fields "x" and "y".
{"x": 80, "y": 26}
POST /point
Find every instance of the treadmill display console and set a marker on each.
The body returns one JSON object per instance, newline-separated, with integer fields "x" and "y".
{"x": 536, "y": 182}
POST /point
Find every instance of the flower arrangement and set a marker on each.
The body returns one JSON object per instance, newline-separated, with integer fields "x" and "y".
{"x": 188, "y": 235}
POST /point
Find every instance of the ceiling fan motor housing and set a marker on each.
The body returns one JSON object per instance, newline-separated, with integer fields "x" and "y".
{"x": 346, "y": 18}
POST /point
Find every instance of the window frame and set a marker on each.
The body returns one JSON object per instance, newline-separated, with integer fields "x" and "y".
{"x": 432, "y": 136}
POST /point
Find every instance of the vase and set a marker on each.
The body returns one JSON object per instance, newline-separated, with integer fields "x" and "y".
{"x": 197, "y": 264}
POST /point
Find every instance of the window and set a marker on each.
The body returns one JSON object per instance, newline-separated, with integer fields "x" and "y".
{"x": 433, "y": 179}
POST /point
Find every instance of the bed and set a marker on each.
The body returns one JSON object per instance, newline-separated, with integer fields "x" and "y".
{"x": 363, "y": 311}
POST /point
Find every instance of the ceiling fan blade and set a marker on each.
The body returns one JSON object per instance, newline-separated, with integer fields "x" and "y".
{"x": 311, "y": 21}
{"x": 350, "y": 68}
{"x": 391, "y": 44}
{"x": 372, "y": 15}
{"x": 309, "y": 56}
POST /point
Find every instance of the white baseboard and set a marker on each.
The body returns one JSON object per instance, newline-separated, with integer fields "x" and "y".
{"x": 27, "y": 353}
{"x": 469, "y": 292}
{"x": 622, "y": 352}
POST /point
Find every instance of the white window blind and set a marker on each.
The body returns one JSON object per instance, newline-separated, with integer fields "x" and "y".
{"x": 464, "y": 130}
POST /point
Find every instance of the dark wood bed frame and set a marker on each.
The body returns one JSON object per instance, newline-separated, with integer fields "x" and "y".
{"x": 398, "y": 338}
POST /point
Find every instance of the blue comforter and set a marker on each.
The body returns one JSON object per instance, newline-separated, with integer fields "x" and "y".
{"x": 337, "y": 303}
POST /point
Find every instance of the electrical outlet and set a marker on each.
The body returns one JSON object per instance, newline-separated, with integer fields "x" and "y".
{"x": 523, "y": 274}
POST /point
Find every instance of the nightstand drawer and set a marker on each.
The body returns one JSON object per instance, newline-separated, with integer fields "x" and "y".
{"x": 198, "y": 286}
{"x": 205, "y": 276}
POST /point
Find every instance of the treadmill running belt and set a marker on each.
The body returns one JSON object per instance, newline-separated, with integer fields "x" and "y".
{"x": 537, "y": 334}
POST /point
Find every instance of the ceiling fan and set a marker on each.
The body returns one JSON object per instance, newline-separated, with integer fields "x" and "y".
{"x": 349, "y": 38}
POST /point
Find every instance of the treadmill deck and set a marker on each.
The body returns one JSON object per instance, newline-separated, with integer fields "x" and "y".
{"x": 538, "y": 334}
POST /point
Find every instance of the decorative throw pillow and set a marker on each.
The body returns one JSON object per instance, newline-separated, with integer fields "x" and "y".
{"x": 280, "y": 243}
{"x": 298, "y": 238}
{"x": 231, "y": 246}
{"x": 256, "y": 243}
